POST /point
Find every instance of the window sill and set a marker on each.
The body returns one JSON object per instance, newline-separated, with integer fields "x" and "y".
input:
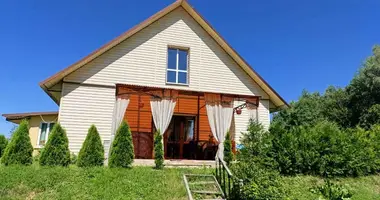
{"x": 179, "y": 84}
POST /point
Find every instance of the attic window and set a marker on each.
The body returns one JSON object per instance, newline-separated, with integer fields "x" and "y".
{"x": 177, "y": 69}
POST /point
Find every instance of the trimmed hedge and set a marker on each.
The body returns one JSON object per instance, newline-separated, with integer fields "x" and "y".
{"x": 56, "y": 151}
{"x": 122, "y": 152}
{"x": 227, "y": 152}
{"x": 92, "y": 151}
{"x": 19, "y": 150}
{"x": 158, "y": 151}
{"x": 3, "y": 144}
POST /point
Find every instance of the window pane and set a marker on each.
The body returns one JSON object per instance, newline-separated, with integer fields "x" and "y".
{"x": 171, "y": 76}
{"x": 182, "y": 63}
{"x": 182, "y": 77}
{"x": 51, "y": 125}
{"x": 189, "y": 130}
{"x": 172, "y": 58}
{"x": 43, "y": 134}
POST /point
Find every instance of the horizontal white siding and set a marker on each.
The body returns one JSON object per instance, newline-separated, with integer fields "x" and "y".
{"x": 80, "y": 107}
{"x": 142, "y": 60}
{"x": 241, "y": 122}
{"x": 264, "y": 114}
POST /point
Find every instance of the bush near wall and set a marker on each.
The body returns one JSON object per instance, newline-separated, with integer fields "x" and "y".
{"x": 56, "y": 151}
{"x": 3, "y": 144}
{"x": 227, "y": 151}
{"x": 158, "y": 151}
{"x": 122, "y": 152}
{"x": 92, "y": 151}
{"x": 19, "y": 150}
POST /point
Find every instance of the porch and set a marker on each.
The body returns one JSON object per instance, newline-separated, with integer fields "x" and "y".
{"x": 188, "y": 137}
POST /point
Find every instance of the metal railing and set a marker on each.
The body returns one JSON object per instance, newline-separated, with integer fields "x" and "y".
{"x": 229, "y": 183}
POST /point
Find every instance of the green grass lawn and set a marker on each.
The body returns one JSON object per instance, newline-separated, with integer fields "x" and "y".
{"x": 364, "y": 188}
{"x": 35, "y": 182}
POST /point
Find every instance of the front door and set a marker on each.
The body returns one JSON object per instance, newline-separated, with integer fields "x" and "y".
{"x": 179, "y": 138}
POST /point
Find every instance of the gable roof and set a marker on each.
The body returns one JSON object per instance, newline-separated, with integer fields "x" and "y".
{"x": 17, "y": 116}
{"x": 276, "y": 99}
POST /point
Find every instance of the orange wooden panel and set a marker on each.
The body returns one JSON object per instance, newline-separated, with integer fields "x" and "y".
{"x": 203, "y": 124}
{"x": 202, "y": 107}
{"x": 134, "y": 102}
{"x": 145, "y": 102}
{"x": 189, "y": 106}
{"x": 131, "y": 118}
{"x": 204, "y": 135}
{"x": 145, "y": 120}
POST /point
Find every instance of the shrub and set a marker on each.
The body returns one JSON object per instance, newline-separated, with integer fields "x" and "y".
{"x": 332, "y": 191}
{"x": 258, "y": 181}
{"x": 228, "y": 155}
{"x": 3, "y": 144}
{"x": 158, "y": 151}
{"x": 73, "y": 158}
{"x": 122, "y": 152}
{"x": 19, "y": 150}
{"x": 92, "y": 151}
{"x": 56, "y": 151}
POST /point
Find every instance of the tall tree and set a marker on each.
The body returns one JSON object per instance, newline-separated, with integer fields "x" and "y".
{"x": 364, "y": 89}
{"x": 92, "y": 151}
{"x": 19, "y": 150}
{"x": 56, "y": 151}
{"x": 122, "y": 152}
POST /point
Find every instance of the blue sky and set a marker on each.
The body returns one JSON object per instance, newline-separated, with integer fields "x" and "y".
{"x": 294, "y": 44}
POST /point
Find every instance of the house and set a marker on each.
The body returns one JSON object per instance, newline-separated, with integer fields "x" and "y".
{"x": 171, "y": 73}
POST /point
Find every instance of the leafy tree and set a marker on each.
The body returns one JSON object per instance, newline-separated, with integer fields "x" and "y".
{"x": 364, "y": 89}
{"x": 228, "y": 154}
{"x": 158, "y": 151}
{"x": 371, "y": 117}
{"x": 92, "y": 151}
{"x": 56, "y": 151}
{"x": 19, "y": 150}
{"x": 335, "y": 106}
{"x": 3, "y": 144}
{"x": 122, "y": 153}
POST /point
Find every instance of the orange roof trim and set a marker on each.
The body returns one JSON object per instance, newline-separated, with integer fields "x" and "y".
{"x": 277, "y": 100}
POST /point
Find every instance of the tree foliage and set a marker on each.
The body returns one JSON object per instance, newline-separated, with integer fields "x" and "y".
{"x": 158, "y": 151}
{"x": 122, "y": 152}
{"x": 56, "y": 151}
{"x": 351, "y": 106}
{"x": 19, "y": 150}
{"x": 3, "y": 144}
{"x": 92, "y": 151}
{"x": 227, "y": 150}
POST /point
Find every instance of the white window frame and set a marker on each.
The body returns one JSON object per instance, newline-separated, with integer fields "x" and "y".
{"x": 47, "y": 133}
{"x": 176, "y": 70}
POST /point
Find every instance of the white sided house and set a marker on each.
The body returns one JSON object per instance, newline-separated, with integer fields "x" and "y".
{"x": 172, "y": 73}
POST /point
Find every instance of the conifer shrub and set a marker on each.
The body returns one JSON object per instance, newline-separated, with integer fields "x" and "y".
{"x": 19, "y": 150}
{"x": 122, "y": 152}
{"x": 3, "y": 144}
{"x": 228, "y": 154}
{"x": 92, "y": 152}
{"x": 158, "y": 151}
{"x": 56, "y": 151}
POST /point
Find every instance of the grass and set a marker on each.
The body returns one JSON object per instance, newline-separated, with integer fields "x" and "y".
{"x": 363, "y": 188}
{"x": 35, "y": 182}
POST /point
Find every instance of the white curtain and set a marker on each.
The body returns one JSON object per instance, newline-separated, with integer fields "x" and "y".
{"x": 119, "y": 109}
{"x": 162, "y": 112}
{"x": 219, "y": 118}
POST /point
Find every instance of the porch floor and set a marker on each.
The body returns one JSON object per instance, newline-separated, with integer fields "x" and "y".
{"x": 176, "y": 163}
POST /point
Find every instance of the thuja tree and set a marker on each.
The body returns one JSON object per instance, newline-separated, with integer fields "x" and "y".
{"x": 56, "y": 151}
{"x": 92, "y": 151}
{"x": 122, "y": 153}
{"x": 228, "y": 155}
{"x": 19, "y": 150}
{"x": 3, "y": 144}
{"x": 158, "y": 151}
